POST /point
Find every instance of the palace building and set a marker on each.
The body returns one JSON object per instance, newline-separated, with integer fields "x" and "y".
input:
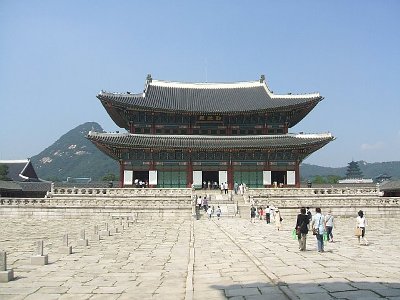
{"x": 179, "y": 134}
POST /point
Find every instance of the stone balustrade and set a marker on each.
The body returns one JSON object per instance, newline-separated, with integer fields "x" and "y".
{"x": 24, "y": 201}
{"x": 307, "y": 192}
{"x": 105, "y": 202}
{"x": 120, "y": 192}
{"x": 356, "y": 201}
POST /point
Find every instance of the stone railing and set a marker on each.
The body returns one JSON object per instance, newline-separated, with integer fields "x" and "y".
{"x": 119, "y": 192}
{"x": 328, "y": 202}
{"x": 24, "y": 201}
{"x": 152, "y": 203}
{"x": 78, "y": 202}
{"x": 307, "y": 192}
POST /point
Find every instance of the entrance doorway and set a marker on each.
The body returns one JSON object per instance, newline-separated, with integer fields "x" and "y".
{"x": 279, "y": 177}
{"x": 140, "y": 176}
{"x": 212, "y": 178}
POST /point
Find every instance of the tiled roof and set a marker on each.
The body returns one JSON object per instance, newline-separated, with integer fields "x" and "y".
{"x": 10, "y": 185}
{"x": 25, "y": 186}
{"x": 392, "y": 185}
{"x": 144, "y": 141}
{"x": 208, "y": 97}
{"x": 35, "y": 186}
{"x": 20, "y": 170}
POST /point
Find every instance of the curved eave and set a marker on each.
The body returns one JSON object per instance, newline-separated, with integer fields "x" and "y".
{"x": 168, "y": 105}
{"x": 305, "y": 110}
{"x": 196, "y": 142}
{"x": 116, "y": 110}
{"x": 114, "y": 113}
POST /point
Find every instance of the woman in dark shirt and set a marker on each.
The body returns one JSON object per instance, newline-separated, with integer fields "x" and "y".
{"x": 302, "y": 228}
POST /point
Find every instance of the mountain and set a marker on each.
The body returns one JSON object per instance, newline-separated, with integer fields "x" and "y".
{"x": 369, "y": 170}
{"x": 72, "y": 155}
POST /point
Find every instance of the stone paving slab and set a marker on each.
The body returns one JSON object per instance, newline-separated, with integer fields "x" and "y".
{"x": 230, "y": 258}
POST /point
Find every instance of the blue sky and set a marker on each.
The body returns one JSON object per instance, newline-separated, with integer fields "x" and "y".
{"x": 55, "y": 56}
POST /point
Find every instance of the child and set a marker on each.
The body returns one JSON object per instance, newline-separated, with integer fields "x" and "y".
{"x": 218, "y": 212}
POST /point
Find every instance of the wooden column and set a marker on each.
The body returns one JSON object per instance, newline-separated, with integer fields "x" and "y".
{"x": 230, "y": 172}
{"x": 265, "y": 131}
{"x": 121, "y": 173}
{"x": 297, "y": 173}
{"x": 152, "y": 165}
{"x": 189, "y": 171}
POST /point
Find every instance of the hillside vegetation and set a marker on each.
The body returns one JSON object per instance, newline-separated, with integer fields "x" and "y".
{"x": 72, "y": 155}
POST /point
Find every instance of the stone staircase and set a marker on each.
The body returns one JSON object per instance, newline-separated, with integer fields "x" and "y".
{"x": 227, "y": 202}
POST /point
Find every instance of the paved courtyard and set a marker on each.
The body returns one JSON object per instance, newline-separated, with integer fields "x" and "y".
{"x": 229, "y": 258}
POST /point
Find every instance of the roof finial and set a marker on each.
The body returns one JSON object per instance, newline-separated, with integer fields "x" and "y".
{"x": 262, "y": 78}
{"x": 148, "y": 78}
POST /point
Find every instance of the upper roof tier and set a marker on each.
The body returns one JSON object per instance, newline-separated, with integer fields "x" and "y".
{"x": 194, "y": 98}
{"x": 199, "y": 142}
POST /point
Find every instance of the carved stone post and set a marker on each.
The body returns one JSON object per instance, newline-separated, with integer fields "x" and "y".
{"x": 106, "y": 231}
{"x": 5, "y": 275}
{"x": 39, "y": 258}
{"x": 83, "y": 241}
{"x": 96, "y": 235}
{"x": 65, "y": 248}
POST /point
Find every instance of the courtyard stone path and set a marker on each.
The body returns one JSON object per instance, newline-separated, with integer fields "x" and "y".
{"x": 230, "y": 258}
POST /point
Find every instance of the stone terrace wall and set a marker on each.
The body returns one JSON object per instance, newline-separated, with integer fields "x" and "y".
{"x": 156, "y": 203}
{"x": 103, "y": 203}
{"x": 344, "y": 202}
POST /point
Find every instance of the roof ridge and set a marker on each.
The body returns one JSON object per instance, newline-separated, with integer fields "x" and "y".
{"x": 202, "y": 85}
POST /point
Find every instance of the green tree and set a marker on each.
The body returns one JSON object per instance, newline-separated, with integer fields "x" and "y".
{"x": 109, "y": 177}
{"x": 4, "y": 172}
{"x": 319, "y": 179}
{"x": 353, "y": 170}
{"x": 332, "y": 179}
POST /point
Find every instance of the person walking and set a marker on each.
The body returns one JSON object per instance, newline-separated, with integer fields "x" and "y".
{"x": 318, "y": 225}
{"x": 302, "y": 228}
{"x": 236, "y": 187}
{"x": 268, "y": 214}
{"x": 205, "y": 203}
{"x": 226, "y": 188}
{"x": 218, "y": 212}
{"x": 361, "y": 223}
{"x": 199, "y": 202}
{"x": 209, "y": 212}
{"x": 252, "y": 214}
{"x": 261, "y": 212}
{"x": 329, "y": 225}
{"x": 309, "y": 214}
{"x": 278, "y": 219}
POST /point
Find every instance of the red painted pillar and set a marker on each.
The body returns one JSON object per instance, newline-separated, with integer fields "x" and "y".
{"x": 230, "y": 172}
{"x": 121, "y": 173}
{"x": 189, "y": 174}
{"x": 151, "y": 166}
{"x": 297, "y": 173}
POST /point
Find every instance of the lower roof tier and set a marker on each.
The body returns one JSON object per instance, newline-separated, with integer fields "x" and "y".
{"x": 205, "y": 142}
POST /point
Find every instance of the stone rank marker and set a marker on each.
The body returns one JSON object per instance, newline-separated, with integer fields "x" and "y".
{"x": 96, "y": 235}
{"x": 39, "y": 258}
{"x": 5, "y": 275}
{"x": 65, "y": 248}
{"x": 106, "y": 231}
{"x": 83, "y": 241}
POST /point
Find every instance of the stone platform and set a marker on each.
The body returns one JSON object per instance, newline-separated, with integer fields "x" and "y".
{"x": 183, "y": 258}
